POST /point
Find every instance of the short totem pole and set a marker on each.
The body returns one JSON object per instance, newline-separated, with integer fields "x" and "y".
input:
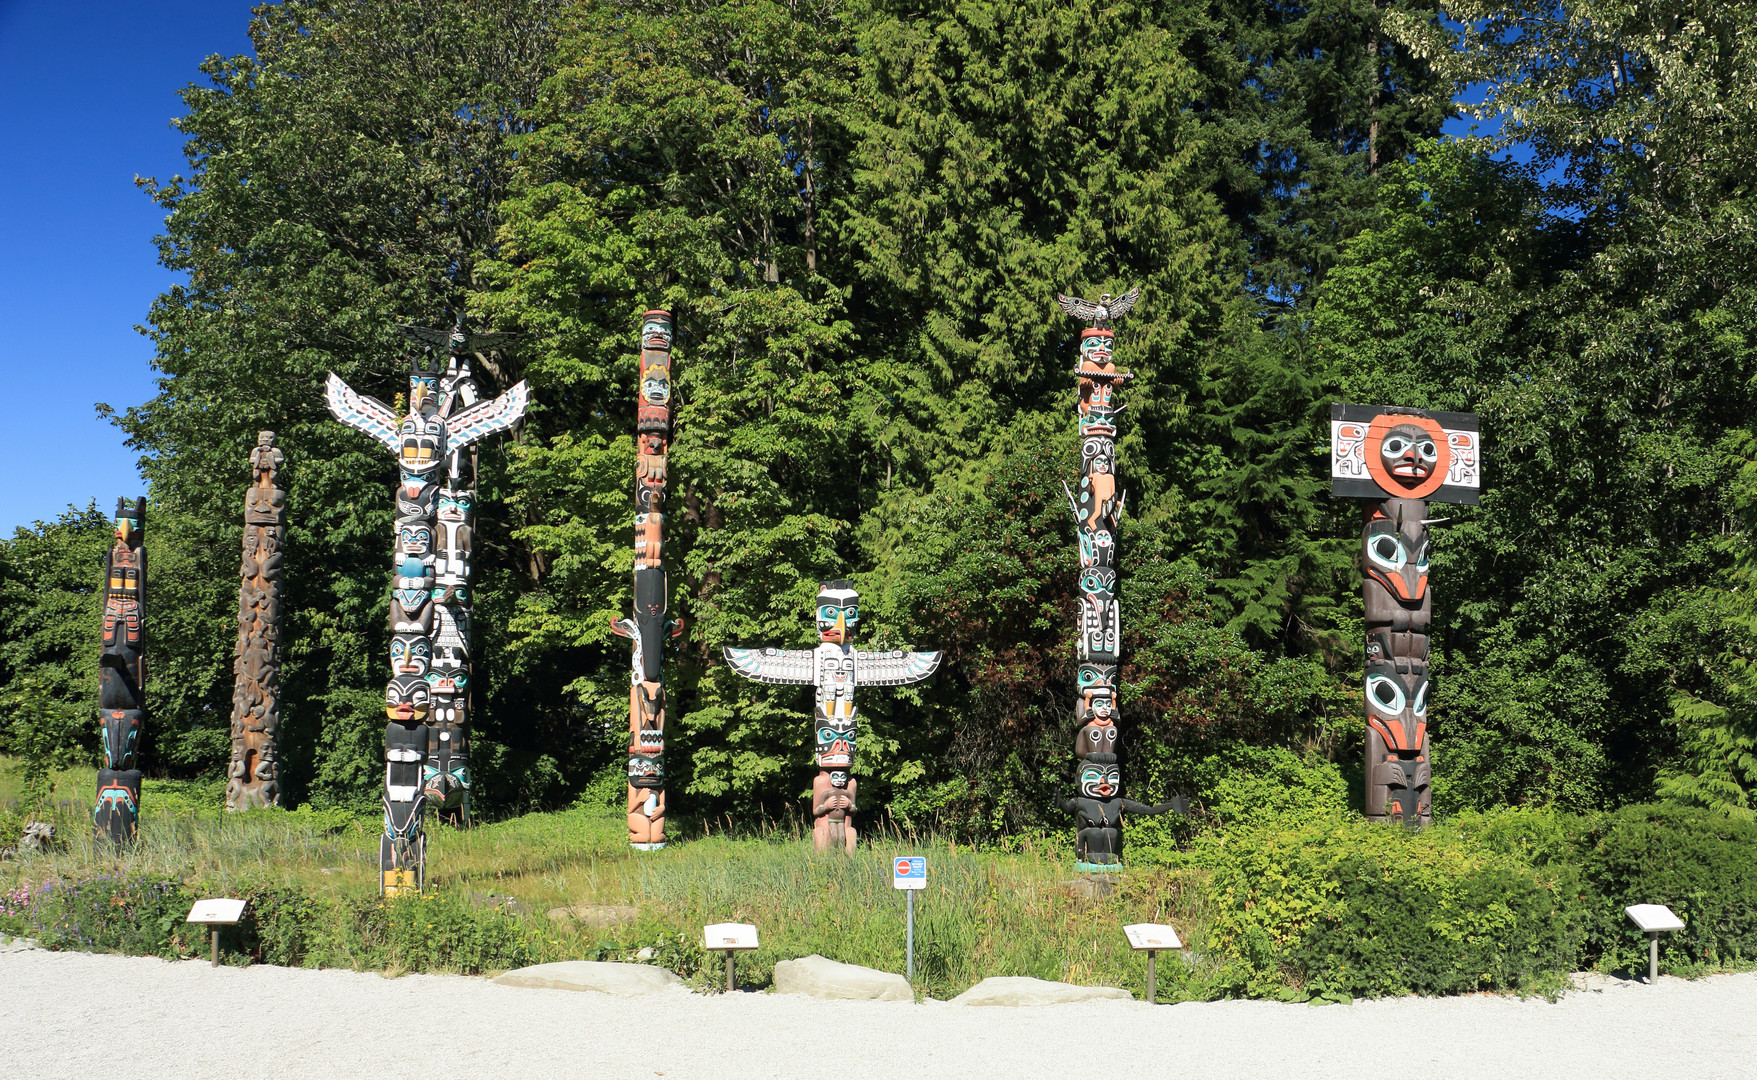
{"x": 122, "y": 676}
{"x": 1097, "y": 509}
{"x": 835, "y": 667}
{"x": 254, "y": 773}
{"x": 1400, "y": 460}
{"x": 427, "y": 698}
{"x": 649, "y": 627}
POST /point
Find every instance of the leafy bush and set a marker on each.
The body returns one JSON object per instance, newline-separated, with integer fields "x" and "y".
{"x": 1334, "y": 907}
{"x": 141, "y": 915}
{"x": 1699, "y": 863}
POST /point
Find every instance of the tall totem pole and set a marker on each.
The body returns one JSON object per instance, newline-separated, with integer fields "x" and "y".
{"x": 1098, "y": 509}
{"x": 835, "y": 668}
{"x": 1400, "y": 460}
{"x": 427, "y": 698}
{"x": 122, "y": 676}
{"x": 649, "y": 627}
{"x": 254, "y": 774}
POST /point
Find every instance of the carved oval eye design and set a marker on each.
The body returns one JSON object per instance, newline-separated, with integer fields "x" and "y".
{"x": 1385, "y": 695}
{"x": 1420, "y": 708}
{"x": 1385, "y": 551}
{"x": 1421, "y": 558}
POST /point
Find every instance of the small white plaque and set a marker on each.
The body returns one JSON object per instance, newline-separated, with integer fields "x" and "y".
{"x": 1652, "y": 917}
{"x": 729, "y": 937}
{"x": 909, "y": 872}
{"x": 216, "y": 911}
{"x": 1148, "y": 935}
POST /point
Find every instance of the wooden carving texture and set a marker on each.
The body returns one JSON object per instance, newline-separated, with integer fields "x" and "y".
{"x": 254, "y": 773}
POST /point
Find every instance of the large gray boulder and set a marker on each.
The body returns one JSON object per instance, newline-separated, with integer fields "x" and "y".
{"x": 820, "y": 977}
{"x": 623, "y": 980}
{"x": 1019, "y": 990}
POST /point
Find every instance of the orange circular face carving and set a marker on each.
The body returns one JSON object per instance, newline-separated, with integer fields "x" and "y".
{"x": 1407, "y": 455}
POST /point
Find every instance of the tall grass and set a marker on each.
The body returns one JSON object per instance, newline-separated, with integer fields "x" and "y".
{"x": 984, "y": 913}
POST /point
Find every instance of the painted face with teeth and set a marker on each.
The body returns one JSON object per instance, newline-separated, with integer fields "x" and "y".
{"x": 1409, "y": 454}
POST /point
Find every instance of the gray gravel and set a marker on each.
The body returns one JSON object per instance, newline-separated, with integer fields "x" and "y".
{"x": 81, "y": 1015}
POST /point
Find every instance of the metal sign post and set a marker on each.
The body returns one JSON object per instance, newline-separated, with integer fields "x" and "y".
{"x": 214, "y": 914}
{"x": 1654, "y": 920}
{"x": 909, "y": 873}
{"x": 1150, "y": 938}
{"x": 730, "y": 938}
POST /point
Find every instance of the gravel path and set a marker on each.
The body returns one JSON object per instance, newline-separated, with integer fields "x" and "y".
{"x": 82, "y": 1015}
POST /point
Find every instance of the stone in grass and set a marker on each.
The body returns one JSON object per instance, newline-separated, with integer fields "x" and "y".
{"x": 1019, "y": 990}
{"x": 623, "y": 980}
{"x": 596, "y": 914}
{"x": 820, "y": 977}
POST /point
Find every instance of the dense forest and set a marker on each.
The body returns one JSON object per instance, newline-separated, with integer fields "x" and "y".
{"x": 859, "y": 212}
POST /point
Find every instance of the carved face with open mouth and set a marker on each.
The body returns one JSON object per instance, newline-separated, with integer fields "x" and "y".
{"x": 1409, "y": 454}
{"x": 1100, "y": 780}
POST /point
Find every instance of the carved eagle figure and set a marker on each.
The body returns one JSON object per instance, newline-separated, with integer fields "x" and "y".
{"x": 1103, "y": 313}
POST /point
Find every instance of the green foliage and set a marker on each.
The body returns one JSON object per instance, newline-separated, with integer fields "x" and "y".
{"x": 1699, "y": 864}
{"x": 141, "y": 915}
{"x": 41, "y": 734}
{"x": 1333, "y": 906}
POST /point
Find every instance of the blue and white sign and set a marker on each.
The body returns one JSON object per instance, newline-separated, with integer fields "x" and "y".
{"x": 909, "y": 872}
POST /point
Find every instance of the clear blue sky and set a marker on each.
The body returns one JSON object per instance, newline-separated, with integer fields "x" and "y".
{"x": 90, "y": 88}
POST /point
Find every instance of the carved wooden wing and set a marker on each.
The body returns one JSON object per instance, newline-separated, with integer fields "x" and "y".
{"x": 361, "y": 413}
{"x": 487, "y": 417}
{"x": 893, "y": 668}
{"x": 1084, "y": 310}
{"x": 775, "y": 665}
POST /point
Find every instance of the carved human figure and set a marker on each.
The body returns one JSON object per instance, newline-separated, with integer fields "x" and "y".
{"x": 832, "y": 810}
{"x": 253, "y": 774}
{"x": 1098, "y": 812}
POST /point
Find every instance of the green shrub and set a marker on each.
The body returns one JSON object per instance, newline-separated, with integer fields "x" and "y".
{"x": 1700, "y": 864}
{"x": 1335, "y": 907}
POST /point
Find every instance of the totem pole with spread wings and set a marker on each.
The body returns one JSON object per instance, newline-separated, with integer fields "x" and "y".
{"x": 427, "y": 699}
{"x": 835, "y": 668}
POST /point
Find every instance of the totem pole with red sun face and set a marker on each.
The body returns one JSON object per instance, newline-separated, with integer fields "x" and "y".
{"x": 1098, "y": 510}
{"x": 1400, "y": 460}
{"x": 649, "y": 628}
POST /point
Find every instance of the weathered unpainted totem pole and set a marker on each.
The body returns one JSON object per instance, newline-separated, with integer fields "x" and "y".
{"x": 835, "y": 667}
{"x": 649, "y": 627}
{"x": 1098, "y": 509}
{"x": 254, "y": 774}
{"x": 1400, "y": 460}
{"x": 427, "y": 698}
{"x": 122, "y": 676}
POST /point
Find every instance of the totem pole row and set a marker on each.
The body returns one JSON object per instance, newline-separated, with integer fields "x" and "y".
{"x": 427, "y": 698}
{"x": 254, "y": 772}
{"x": 122, "y": 676}
{"x": 1400, "y": 460}
{"x": 1098, "y": 509}
{"x": 649, "y": 628}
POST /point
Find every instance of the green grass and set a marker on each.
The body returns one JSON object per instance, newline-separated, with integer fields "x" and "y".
{"x": 984, "y": 913}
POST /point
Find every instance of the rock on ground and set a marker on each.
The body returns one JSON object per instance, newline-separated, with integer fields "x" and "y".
{"x": 821, "y": 977}
{"x": 596, "y": 914}
{"x": 1019, "y": 990}
{"x": 623, "y": 980}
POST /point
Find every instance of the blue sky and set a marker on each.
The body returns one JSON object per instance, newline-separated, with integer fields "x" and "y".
{"x": 90, "y": 89}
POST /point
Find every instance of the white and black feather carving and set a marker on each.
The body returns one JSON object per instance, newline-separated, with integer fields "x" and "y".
{"x": 1107, "y": 310}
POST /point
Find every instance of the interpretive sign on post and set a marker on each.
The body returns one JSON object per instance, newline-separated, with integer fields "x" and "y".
{"x": 214, "y": 914}
{"x": 909, "y": 873}
{"x": 730, "y": 938}
{"x": 1151, "y": 937}
{"x": 1653, "y": 920}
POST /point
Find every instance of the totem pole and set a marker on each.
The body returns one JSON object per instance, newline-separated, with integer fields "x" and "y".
{"x": 1400, "y": 460}
{"x": 427, "y": 698}
{"x": 122, "y": 676}
{"x": 1098, "y": 509}
{"x": 256, "y": 665}
{"x": 649, "y": 627}
{"x": 835, "y": 667}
